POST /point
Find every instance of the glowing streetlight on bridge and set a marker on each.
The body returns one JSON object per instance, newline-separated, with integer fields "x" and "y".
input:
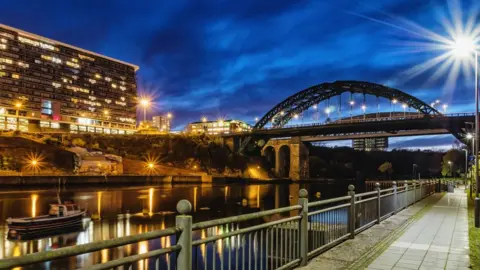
{"x": 394, "y": 101}
{"x": 256, "y": 119}
{"x": 295, "y": 116}
{"x": 327, "y": 111}
{"x": 315, "y": 106}
{"x": 351, "y": 109}
{"x": 445, "y": 106}
{"x": 404, "y": 106}
{"x": 364, "y": 109}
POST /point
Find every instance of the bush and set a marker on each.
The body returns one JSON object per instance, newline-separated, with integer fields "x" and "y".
{"x": 78, "y": 142}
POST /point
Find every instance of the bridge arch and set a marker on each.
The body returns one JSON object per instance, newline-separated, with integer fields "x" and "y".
{"x": 284, "y": 161}
{"x": 301, "y": 101}
{"x": 270, "y": 155}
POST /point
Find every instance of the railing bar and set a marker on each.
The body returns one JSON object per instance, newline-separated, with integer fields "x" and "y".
{"x": 245, "y": 217}
{"x": 322, "y": 202}
{"x": 168, "y": 261}
{"x": 366, "y": 200}
{"x": 214, "y": 254}
{"x": 205, "y": 263}
{"x": 157, "y": 263}
{"x": 386, "y": 195}
{"x": 230, "y": 249}
{"x": 239, "y": 239}
{"x": 134, "y": 258}
{"x": 328, "y": 209}
{"x": 243, "y": 251}
{"x": 261, "y": 248}
{"x": 271, "y": 248}
{"x": 249, "y": 251}
{"x": 365, "y": 226}
{"x": 289, "y": 265}
{"x": 223, "y": 241}
{"x": 365, "y": 194}
{"x": 245, "y": 230}
{"x": 82, "y": 249}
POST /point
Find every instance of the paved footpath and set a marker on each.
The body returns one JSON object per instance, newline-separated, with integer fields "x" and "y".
{"x": 438, "y": 240}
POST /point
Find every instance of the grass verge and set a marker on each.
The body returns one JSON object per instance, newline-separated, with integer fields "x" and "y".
{"x": 474, "y": 237}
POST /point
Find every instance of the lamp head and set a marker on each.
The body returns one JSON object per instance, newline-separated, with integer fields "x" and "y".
{"x": 463, "y": 46}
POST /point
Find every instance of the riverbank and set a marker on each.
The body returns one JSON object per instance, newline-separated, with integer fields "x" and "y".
{"x": 22, "y": 181}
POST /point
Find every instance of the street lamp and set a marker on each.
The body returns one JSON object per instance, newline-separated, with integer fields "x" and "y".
{"x": 394, "y": 101}
{"x": 404, "y": 106}
{"x": 351, "y": 108}
{"x": 145, "y": 104}
{"x": 445, "y": 106}
{"x": 327, "y": 111}
{"x": 364, "y": 108}
{"x": 450, "y": 165}
{"x": 463, "y": 47}
{"x": 18, "y": 105}
{"x": 204, "y": 119}
{"x": 466, "y": 168}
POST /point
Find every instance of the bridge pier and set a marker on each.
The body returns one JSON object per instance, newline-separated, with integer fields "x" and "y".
{"x": 291, "y": 158}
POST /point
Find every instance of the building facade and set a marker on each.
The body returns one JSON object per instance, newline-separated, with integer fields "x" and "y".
{"x": 369, "y": 144}
{"x": 49, "y": 86}
{"x": 162, "y": 122}
{"x": 218, "y": 127}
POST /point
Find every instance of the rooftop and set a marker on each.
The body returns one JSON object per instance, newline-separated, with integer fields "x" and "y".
{"x": 31, "y": 35}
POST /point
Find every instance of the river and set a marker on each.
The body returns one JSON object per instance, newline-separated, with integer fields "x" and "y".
{"x": 122, "y": 211}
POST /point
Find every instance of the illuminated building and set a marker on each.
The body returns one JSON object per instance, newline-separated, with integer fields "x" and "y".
{"x": 46, "y": 85}
{"x": 162, "y": 122}
{"x": 218, "y": 127}
{"x": 369, "y": 144}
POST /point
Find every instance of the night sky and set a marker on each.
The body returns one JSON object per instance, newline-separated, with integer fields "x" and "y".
{"x": 238, "y": 59}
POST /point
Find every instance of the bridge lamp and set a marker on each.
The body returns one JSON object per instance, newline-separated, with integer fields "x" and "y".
{"x": 327, "y": 111}
{"x": 169, "y": 115}
{"x": 295, "y": 116}
{"x": 404, "y": 106}
{"x": 445, "y": 106}
{"x": 469, "y": 136}
{"x": 352, "y": 102}
{"x": 282, "y": 113}
{"x": 256, "y": 119}
{"x": 315, "y": 106}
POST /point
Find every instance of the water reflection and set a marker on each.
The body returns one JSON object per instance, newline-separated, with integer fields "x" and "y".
{"x": 118, "y": 212}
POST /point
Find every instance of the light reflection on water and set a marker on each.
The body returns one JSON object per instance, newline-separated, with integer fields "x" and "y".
{"x": 118, "y": 212}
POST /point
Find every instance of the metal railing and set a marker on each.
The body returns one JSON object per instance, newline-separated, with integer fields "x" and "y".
{"x": 281, "y": 238}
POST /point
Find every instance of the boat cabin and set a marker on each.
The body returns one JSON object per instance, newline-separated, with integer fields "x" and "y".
{"x": 64, "y": 209}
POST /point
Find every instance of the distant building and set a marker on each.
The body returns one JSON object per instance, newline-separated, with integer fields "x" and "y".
{"x": 162, "y": 122}
{"x": 369, "y": 144}
{"x": 47, "y": 85}
{"x": 218, "y": 127}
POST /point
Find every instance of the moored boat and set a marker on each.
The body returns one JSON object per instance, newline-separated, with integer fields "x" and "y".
{"x": 62, "y": 216}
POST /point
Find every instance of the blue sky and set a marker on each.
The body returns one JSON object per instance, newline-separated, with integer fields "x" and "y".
{"x": 238, "y": 59}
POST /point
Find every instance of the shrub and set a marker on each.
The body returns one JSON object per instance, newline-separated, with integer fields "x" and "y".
{"x": 78, "y": 142}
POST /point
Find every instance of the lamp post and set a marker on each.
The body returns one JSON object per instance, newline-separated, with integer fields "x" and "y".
{"x": 404, "y": 106}
{"x": 466, "y": 168}
{"x": 351, "y": 108}
{"x": 364, "y": 108}
{"x": 18, "y": 105}
{"x": 145, "y": 104}
{"x": 464, "y": 46}
{"x": 450, "y": 165}
{"x": 413, "y": 171}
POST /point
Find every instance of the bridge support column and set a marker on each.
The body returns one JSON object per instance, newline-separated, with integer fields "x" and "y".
{"x": 299, "y": 160}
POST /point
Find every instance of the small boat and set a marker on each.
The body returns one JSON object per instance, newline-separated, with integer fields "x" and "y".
{"x": 61, "y": 217}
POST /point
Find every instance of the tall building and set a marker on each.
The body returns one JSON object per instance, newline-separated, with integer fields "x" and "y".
{"x": 162, "y": 122}
{"x": 46, "y": 85}
{"x": 369, "y": 144}
{"x": 218, "y": 127}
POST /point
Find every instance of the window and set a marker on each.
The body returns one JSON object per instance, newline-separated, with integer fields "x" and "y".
{"x": 47, "y": 107}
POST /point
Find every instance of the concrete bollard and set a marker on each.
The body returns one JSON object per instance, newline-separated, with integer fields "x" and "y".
{"x": 379, "y": 216}
{"x": 303, "y": 230}
{"x": 351, "y": 216}
{"x": 184, "y": 238}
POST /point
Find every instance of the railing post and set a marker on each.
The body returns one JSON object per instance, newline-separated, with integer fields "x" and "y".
{"x": 414, "y": 191}
{"x": 303, "y": 229}
{"x": 184, "y": 238}
{"x": 395, "y": 198}
{"x": 406, "y": 193}
{"x": 379, "y": 216}
{"x": 351, "y": 216}
{"x": 421, "y": 190}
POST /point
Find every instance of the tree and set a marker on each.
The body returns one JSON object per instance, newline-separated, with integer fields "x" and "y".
{"x": 451, "y": 161}
{"x": 386, "y": 168}
{"x": 78, "y": 142}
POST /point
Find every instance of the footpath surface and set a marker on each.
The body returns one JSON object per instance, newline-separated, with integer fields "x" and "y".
{"x": 437, "y": 240}
{"x": 356, "y": 253}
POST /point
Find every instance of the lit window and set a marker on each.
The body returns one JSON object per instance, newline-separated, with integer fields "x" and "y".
{"x": 24, "y": 65}
{"x": 38, "y": 61}
{"x": 56, "y": 85}
{"x": 114, "y": 85}
{"x": 72, "y": 64}
{"x": 3, "y": 46}
{"x": 123, "y": 88}
{"x": 3, "y": 40}
{"x": 15, "y": 76}
{"x": 108, "y": 79}
{"x": 3, "y": 74}
{"x": 81, "y": 56}
{"x": 98, "y": 76}
{"x": 92, "y": 81}
{"x": 75, "y": 60}
{"x": 6, "y": 60}
{"x": 108, "y": 101}
{"x": 55, "y": 125}
{"x": 36, "y": 43}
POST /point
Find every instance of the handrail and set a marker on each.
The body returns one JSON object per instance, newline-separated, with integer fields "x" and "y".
{"x": 245, "y": 217}
{"x": 84, "y": 248}
{"x": 322, "y": 202}
{"x": 133, "y": 258}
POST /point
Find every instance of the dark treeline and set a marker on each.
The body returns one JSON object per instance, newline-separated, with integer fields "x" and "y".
{"x": 344, "y": 162}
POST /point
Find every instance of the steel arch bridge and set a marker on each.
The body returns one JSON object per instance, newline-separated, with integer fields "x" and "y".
{"x": 301, "y": 101}
{"x": 296, "y": 104}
